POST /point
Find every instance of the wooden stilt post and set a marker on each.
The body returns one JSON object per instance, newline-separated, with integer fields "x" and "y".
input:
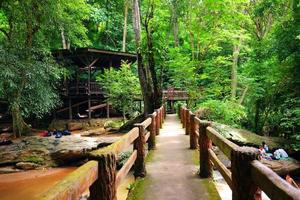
{"x": 243, "y": 187}
{"x": 193, "y": 141}
{"x": 205, "y": 143}
{"x": 70, "y": 109}
{"x": 151, "y": 141}
{"x": 104, "y": 188}
{"x": 89, "y": 108}
{"x": 107, "y": 110}
{"x": 187, "y": 121}
{"x": 139, "y": 165}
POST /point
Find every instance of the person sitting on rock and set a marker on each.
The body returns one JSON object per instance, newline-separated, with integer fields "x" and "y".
{"x": 265, "y": 146}
{"x": 262, "y": 154}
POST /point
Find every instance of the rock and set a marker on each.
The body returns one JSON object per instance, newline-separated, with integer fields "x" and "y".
{"x": 26, "y": 165}
{"x": 93, "y": 132}
{"x": 72, "y": 126}
{"x": 49, "y": 151}
{"x": 7, "y": 170}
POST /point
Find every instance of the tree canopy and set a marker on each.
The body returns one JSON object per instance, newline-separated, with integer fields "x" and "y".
{"x": 237, "y": 54}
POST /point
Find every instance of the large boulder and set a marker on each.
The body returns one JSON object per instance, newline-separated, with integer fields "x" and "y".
{"x": 73, "y": 126}
{"x": 50, "y": 151}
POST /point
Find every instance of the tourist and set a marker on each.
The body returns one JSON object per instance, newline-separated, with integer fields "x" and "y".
{"x": 265, "y": 146}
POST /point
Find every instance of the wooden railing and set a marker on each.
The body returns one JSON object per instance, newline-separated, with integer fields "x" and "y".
{"x": 100, "y": 175}
{"x": 247, "y": 174}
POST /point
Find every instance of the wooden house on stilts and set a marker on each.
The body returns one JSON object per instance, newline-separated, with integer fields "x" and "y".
{"x": 82, "y": 96}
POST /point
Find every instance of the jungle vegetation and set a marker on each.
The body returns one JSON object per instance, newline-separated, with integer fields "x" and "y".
{"x": 238, "y": 58}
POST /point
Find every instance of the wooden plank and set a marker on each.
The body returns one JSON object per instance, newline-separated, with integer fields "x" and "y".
{"x": 224, "y": 145}
{"x": 146, "y": 122}
{"x": 93, "y": 108}
{"x": 147, "y": 136}
{"x": 226, "y": 173}
{"x": 197, "y": 120}
{"x": 122, "y": 173}
{"x": 72, "y": 186}
{"x": 273, "y": 185}
{"x": 74, "y": 105}
{"x": 118, "y": 146}
{"x": 154, "y": 114}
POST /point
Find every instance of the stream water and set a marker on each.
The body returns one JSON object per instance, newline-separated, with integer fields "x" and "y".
{"x": 30, "y": 184}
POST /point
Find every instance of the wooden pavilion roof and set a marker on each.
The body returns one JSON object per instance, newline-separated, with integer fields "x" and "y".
{"x": 85, "y": 57}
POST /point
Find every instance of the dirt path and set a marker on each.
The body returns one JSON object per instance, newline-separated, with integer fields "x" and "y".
{"x": 172, "y": 173}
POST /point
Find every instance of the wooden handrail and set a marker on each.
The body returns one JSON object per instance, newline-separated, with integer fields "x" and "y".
{"x": 118, "y": 146}
{"x": 126, "y": 167}
{"x": 224, "y": 145}
{"x": 246, "y": 173}
{"x": 274, "y": 186}
{"x": 226, "y": 173}
{"x": 72, "y": 186}
{"x": 103, "y": 163}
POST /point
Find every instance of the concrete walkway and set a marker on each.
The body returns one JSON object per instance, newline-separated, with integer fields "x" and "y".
{"x": 172, "y": 172}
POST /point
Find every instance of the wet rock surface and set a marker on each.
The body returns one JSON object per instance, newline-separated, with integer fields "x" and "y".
{"x": 35, "y": 151}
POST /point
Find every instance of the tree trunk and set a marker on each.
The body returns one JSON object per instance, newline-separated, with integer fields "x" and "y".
{"x": 144, "y": 73}
{"x": 157, "y": 92}
{"x": 243, "y": 95}
{"x": 234, "y": 81}
{"x": 175, "y": 23}
{"x": 63, "y": 39}
{"x": 125, "y": 25}
{"x": 19, "y": 125}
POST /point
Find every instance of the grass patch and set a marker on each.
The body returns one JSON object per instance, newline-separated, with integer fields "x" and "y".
{"x": 136, "y": 189}
{"x": 33, "y": 159}
{"x": 196, "y": 158}
{"x": 211, "y": 189}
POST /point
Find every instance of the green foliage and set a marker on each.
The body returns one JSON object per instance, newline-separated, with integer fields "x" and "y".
{"x": 121, "y": 87}
{"x": 29, "y": 79}
{"x": 226, "y": 112}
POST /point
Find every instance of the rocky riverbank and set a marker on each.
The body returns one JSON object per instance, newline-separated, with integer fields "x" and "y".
{"x": 40, "y": 152}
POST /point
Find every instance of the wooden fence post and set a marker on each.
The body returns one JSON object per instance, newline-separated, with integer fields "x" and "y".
{"x": 139, "y": 165}
{"x": 151, "y": 141}
{"x": 243, "y": 187}
{"x": 183, "y": 117}
{"x": 179, "y": 111}
{"x": 161, "y": 117}
{"x": 157, "y": 121}
{"x": 193, "y": 141}
{"x": 205, "y": 143}
{"x": 104, "y": 188}
{"x": 187, "y": 122}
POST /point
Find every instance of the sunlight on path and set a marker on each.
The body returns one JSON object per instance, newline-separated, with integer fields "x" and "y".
{"x": 172, "y": 173}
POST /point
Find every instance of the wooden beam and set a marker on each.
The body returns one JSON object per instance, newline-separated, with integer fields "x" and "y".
{"x": 118, "y": 146}
{"x": 273, "y": 185}
{"x": 146, "y": 122}
{"x": 147, "y": 135}
{"x": 226, "y": 173}
{"x": 126, "y": 167}
{"x": 74, "y": 184}
{"x": 224, "y": 145}
{"x": 93, "y": 108}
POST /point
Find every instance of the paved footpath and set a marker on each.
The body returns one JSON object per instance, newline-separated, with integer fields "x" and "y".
{"x": 171, "y": 172}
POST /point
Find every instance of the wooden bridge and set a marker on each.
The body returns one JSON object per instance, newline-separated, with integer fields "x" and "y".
{"x": 102, "y": 179}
